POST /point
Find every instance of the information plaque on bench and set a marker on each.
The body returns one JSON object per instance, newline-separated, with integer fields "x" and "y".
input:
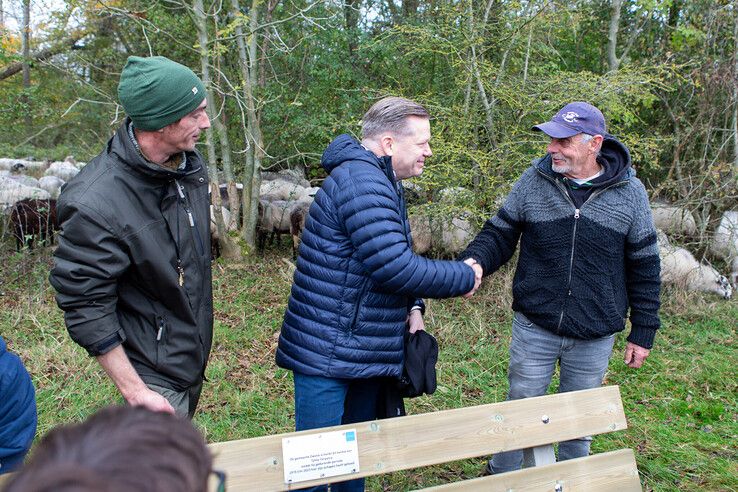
{"x": 323, "y": 455}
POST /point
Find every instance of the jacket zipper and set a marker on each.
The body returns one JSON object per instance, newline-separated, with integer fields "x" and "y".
{"x": 190, "y": 218}
{"x": 160, "y": 332}
{"x": 595, "y": 193}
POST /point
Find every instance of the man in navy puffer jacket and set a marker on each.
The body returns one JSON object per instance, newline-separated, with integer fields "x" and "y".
{"x": 357, "y": 282}
{"x": 18, "y": 416}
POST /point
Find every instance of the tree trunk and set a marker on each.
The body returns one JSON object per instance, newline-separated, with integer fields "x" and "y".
{"x": 351, "y": 18}
{"x": 221, "y": 126}
{"x": 228, "y": 248}
{"x": 671, "y": 24}
{"x": 255, "y": 145}
{"x": 26, "y": 52}
{"x": 409, "y": 9}
{"x": 735, "y": 93}
{"x": 612, "y": 38}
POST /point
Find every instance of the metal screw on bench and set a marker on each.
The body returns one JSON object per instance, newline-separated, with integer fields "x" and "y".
{"x": 559, "y": 487}
{"x": 545, "y": 419}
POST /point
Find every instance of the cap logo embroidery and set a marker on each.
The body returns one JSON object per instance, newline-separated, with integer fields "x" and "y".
{"x": 194, "y": 90}
{"x": 570, "y": 117}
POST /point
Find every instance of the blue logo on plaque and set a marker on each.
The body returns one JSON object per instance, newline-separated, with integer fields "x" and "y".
{"x": 350, "y": 436}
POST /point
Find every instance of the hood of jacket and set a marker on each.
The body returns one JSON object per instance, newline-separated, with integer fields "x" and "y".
{"x": 346, "y": 148}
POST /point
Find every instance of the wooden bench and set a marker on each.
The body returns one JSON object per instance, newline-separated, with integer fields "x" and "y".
{"x": 414, "y": 441}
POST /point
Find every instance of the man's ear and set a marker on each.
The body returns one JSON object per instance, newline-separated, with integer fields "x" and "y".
{"x": 387, "y": 142}
{"x": 596, "y": 143}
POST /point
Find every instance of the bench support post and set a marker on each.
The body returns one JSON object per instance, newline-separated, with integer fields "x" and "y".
{"x": 539, "y": 456}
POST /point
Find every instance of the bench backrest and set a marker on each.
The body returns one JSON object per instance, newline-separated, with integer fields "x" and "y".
{"x": 428, "y": 439}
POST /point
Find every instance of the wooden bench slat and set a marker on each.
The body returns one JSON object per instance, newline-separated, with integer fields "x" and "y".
{"x": 427, "y": 439}
{"x": 615, "y": 471}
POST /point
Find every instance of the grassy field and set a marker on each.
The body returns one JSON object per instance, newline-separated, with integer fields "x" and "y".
{"x": 681, "y": 406}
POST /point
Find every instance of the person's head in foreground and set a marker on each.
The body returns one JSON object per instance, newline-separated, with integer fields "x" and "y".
{"x": 119, "y": 449}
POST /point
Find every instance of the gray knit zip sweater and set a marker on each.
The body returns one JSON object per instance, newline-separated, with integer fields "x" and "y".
{"x": 579, "y": 270}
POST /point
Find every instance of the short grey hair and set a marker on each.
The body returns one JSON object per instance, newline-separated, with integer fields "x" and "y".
{"x": 389, "y": 114}
{"x": 586, "y": 137}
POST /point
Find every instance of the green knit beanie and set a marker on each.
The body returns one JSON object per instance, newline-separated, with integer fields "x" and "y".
{"x": 156, "y": 91}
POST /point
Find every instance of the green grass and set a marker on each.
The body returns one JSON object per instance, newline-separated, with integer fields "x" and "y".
{"x": 681, "y": 406}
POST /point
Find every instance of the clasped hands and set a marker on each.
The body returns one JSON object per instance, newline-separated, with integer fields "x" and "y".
{"x": 477, "y": 275}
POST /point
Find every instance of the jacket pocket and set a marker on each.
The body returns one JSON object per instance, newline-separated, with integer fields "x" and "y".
{"x": 615, "y": 318}
{"x": 357, "y": 308}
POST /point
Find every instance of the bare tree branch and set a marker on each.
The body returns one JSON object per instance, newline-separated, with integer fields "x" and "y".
{"x": 45, "y": 54}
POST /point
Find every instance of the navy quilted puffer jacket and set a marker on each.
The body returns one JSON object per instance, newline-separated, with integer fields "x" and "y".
{"x": 356, "y": 273}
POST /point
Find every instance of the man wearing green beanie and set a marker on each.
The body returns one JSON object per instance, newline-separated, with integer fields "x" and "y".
{"x": 132, "y": 271}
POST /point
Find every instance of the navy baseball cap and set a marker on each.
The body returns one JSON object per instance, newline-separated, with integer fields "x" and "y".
{"x": 574, "y": 118}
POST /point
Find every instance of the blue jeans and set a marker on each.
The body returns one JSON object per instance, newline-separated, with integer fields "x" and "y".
{"x": 324, "y": 402}
{"x": 534, "y": 353}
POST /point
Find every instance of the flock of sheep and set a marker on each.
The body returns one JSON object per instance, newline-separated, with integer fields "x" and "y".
{"x": 30, "y": 203}
{"x": 16, "y": 182}
{"x": 680, "y": 267}
{"x": 285, "y": 198}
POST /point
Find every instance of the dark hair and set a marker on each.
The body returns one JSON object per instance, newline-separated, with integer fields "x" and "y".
{"x": 389, "y": 114}
{"x": 119, "y": 449}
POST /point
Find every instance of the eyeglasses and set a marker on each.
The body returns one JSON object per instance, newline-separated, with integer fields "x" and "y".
{"x": 221, "y": 480}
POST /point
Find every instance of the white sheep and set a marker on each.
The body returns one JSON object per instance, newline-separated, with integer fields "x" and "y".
{"x": 52, "y": 184}
{"x": 309, "y": 193}
{"x": 289, "y": 175}
{"x": 20, "y": 164}
{"x": 725, "y": 242}
{"x": 62, "y": 169}
{"x": 673, "y": 220}
{"x": 298, "y": 216}
{"x": 274, "y": 219}
{"x": 279, "y": 189}
{"x": 12, "y": 191}
{"x": 679, "y": 267}
{"x": 24, "y": 180}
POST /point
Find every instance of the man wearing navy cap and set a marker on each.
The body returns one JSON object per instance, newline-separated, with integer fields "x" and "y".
{"x": 588, "y": 256}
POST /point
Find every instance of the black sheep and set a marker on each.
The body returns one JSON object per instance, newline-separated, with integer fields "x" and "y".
{"x": 32, "y": 218}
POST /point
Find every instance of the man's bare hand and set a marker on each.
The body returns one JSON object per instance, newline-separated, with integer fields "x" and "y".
{"x": 150, "y": 399}
{"x": 415, "y": 321}
{"x": 635, "y": 355}
{"x": 478, "y": 272}
{"x": 130, "y": 384}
